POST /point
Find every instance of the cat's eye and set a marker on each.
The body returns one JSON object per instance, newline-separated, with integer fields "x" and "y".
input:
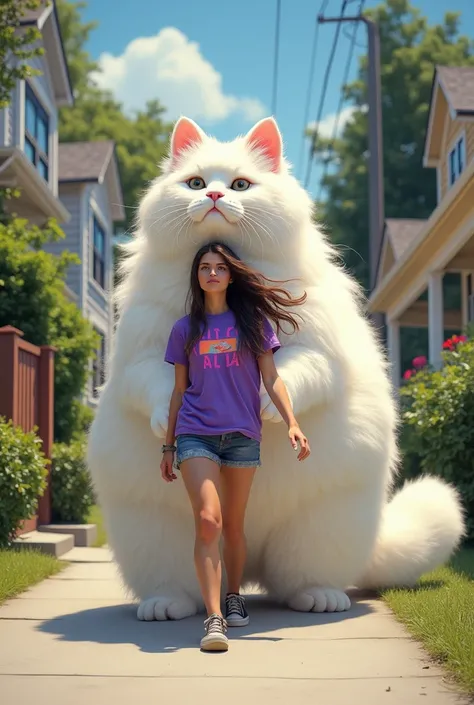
{"x": 240, "y": 185}
{"x": 196, "y": 183}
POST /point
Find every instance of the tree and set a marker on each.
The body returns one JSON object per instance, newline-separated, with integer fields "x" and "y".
{"x": 141, "y": 137}
{"x": 410, "y": 49}
{"x": 75, "y": 34}
{"x": 32, "y": 299}
{"x": 16, "y": 46}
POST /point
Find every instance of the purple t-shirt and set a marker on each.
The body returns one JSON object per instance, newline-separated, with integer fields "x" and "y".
{"x": 224, "y": 391}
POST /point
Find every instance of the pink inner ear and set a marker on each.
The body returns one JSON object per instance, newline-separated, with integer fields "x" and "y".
{"x": 266, "y": 136}
{"x": 185, "y": 134}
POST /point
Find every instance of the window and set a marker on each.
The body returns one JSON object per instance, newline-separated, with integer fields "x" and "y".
{"x": 36, "y": 133}
{"x": 457, "y": 160}
{"x": 98, "y": 258}
{"x": 98, "y": 365}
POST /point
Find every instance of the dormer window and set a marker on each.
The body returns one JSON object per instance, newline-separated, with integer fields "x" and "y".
{"x": 457, "y": 160}
{"x": 36, "y": 133}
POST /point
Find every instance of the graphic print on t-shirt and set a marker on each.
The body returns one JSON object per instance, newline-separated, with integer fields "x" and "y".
{"x": 212, "y": 346}
{"x": 215, "y": 347}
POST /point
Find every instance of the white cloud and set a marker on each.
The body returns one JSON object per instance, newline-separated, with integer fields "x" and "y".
{"x": 171, "y": 68}
{"x": 327, "y": 124}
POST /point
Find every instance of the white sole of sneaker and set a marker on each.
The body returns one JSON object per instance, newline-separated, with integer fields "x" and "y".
{"x": 214, "y": 642}
{"x": 238, "y": 622}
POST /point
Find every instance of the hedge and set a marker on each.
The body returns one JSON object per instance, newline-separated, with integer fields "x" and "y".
{"x": 438, "y": 429}
{"x": 22, "y": 478}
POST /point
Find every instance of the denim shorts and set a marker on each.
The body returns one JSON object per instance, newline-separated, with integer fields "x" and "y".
{"x": 231, "y": 449}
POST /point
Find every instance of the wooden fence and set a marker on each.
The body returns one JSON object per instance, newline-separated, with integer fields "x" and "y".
{"x": 27, "y": 397}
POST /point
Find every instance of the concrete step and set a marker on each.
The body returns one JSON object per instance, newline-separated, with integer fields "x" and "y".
{"x": 53, "y": 544}
{"x": 84, "y": 534}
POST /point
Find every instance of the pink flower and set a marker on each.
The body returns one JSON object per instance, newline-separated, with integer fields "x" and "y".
{"x": 408, "y": 374}
{"x": 419, "y": 362}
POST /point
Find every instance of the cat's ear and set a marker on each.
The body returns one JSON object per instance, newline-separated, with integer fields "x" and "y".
{"x": 185, "y": 134}
{"x": 266, "y": 137}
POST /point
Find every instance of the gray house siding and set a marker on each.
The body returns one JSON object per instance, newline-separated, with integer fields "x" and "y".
{"x": 42, "y": 82}
{"x": 70, "y": 196}
{"x": 12, "y": 124}
{"x": 98, "y": 304}
{"x": 99, "y": 209}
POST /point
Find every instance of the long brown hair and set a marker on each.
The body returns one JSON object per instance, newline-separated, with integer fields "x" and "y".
{"x": 251, "y": 297}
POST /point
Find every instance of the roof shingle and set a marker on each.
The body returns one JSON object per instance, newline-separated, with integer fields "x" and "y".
{"x": 84, "y": 161}
{"x": 402, "y": 232}
{"x": 458, "y": 83}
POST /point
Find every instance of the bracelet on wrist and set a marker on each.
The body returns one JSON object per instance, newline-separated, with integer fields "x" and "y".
{"x": 168, "y": 447}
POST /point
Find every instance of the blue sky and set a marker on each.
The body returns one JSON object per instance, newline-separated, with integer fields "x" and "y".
{"x": 214, "y": 62}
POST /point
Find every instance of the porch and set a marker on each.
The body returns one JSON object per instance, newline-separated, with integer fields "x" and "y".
{"x": 428, "y": 283}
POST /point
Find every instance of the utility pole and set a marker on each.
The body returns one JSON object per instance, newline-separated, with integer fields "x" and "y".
{"x": 376, "y": 192}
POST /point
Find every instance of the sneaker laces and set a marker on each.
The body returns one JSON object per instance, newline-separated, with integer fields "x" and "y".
{"x": 215, "y": 623}
{"x": 235, "y": 603}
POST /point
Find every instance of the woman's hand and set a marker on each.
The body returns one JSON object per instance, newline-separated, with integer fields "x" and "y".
{"x": 296, "y": 436}
{"x": 167, "y": 472}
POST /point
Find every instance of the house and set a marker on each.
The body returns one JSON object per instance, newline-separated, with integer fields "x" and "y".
{"x": 89, "y": 187}
{"x": 425, "y": 276}
{"x": 76, "y": 183}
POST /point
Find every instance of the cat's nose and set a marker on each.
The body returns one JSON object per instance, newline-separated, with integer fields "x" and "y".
{"x": 215, "y": 195}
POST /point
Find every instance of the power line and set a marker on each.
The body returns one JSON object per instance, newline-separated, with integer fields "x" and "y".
{"x": 323, "y": 93}
{"x": 312, "y": 67}
{"x": 276, "y": 56}
{"x": 341, "y": 99}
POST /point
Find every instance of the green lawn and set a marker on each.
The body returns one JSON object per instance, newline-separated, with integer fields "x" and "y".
{"x": 20, "y": 570}
{"x": 95, "y": 517}
{"x": 439, "y": 612}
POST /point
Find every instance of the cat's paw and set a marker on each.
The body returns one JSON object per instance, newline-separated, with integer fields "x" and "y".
{"x": 318, "y": 599}
{"x": 163, "y": 607}
{"x": 159, "y": 422}
{"x": 269, "y": 412}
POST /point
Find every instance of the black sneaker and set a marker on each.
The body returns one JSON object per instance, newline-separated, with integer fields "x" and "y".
{"x": 235, "y": 612}
{"x": 215, "y": 638}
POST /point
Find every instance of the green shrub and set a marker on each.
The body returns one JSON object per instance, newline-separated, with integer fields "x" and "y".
{"x": 71, "y": 486}
{"x": 22, "y": 478}
{"x": 32, "y": 298}
{"x": 438, "y": 412}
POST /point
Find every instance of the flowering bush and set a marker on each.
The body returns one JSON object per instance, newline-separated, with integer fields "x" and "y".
{"x": 421, "y": 362}
{"x": 438, "y": 429}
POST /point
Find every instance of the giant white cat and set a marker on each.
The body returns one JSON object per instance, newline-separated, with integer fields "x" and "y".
{"x": 313, "y": 528}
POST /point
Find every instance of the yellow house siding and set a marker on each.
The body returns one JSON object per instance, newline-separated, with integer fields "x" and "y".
{"x": 469, "y": 141}
{"x": 454, "y": 129}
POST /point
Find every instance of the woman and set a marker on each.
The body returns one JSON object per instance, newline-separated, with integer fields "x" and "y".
{"x": 221, "y": 352}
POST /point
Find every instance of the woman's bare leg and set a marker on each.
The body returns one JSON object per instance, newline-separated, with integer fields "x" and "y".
{"x": 236, "y": 484}
{"x": 201, "y": 478}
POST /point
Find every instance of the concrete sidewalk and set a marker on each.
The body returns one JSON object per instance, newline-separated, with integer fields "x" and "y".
{"x": 74, "y": 639}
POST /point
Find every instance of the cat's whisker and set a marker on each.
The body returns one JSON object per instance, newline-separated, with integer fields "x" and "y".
{"x": 263, "y": 211}
{"x": 187, "y": 221}
{"x": 244, "y": 231}
{"x": 167, "y": 217}
{"x": 262, "y": 227}
{"x": 249, "y": 222}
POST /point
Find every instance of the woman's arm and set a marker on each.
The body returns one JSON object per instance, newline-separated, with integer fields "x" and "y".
{"x": 277, "y": 392}
{"x": 181, "y": 383}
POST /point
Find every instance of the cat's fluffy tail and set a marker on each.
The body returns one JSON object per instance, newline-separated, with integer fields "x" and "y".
{"x": 421, "y": 527}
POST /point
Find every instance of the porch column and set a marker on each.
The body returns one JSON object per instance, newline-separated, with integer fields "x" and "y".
{"x": 393, "y": 347}
{"x": 464, "y": 299}
{"x": 435, "y": 318}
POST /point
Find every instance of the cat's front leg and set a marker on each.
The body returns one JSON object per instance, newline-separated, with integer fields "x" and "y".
{"x": 311, "y": 378}
{"x": 146, "y": 386}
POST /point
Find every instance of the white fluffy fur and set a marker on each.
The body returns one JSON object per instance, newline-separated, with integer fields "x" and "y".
{"x": 313, "y": 528}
